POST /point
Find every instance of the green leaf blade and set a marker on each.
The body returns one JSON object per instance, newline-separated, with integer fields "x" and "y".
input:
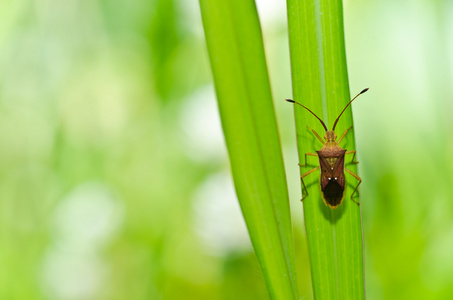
{"x": 320, "y": 82}
{"x": 236, "y": 52}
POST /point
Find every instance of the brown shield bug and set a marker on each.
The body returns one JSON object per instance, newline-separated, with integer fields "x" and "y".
{"x": 331, "y": 161}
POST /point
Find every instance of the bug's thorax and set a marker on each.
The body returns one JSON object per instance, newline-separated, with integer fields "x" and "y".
{"x": 331, "y": 150}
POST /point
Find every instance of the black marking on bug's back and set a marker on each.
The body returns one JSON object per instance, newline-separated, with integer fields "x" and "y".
{"x": 333, "y": 193}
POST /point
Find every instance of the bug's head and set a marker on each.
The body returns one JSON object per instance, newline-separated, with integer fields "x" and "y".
{"x": 330, "y": 134}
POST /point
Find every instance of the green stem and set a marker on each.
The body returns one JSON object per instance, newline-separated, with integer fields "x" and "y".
{"x": 236, "y": 52}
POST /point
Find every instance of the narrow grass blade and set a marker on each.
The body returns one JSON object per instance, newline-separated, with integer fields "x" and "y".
{"x": 235, "y": 46}
{"x": 320, "y": 82}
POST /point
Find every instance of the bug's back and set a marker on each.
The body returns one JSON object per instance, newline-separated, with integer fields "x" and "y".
{"x": 332, "y": 177}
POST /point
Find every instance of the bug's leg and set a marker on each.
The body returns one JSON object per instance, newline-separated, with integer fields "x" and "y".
{"x": 303, "y": 183}
{"x": 360, "y": 181}
{"x": 352, "y": 152}
{"x": 317, "y": 135}
{"x": 309, "y": 154}
{"x": 344, "y": 133}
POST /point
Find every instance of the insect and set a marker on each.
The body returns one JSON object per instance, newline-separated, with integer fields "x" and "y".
{"x": 331, "y": 161}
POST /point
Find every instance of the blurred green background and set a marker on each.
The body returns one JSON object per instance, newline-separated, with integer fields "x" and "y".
{"x": 114, "y": 178}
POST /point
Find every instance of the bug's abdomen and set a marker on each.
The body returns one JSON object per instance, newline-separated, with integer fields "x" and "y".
{"x": 333, "y": 194}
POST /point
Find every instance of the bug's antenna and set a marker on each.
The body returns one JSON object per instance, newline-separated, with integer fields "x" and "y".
{"x": 292, "y": 101}
{"x": 336, "y": 121}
